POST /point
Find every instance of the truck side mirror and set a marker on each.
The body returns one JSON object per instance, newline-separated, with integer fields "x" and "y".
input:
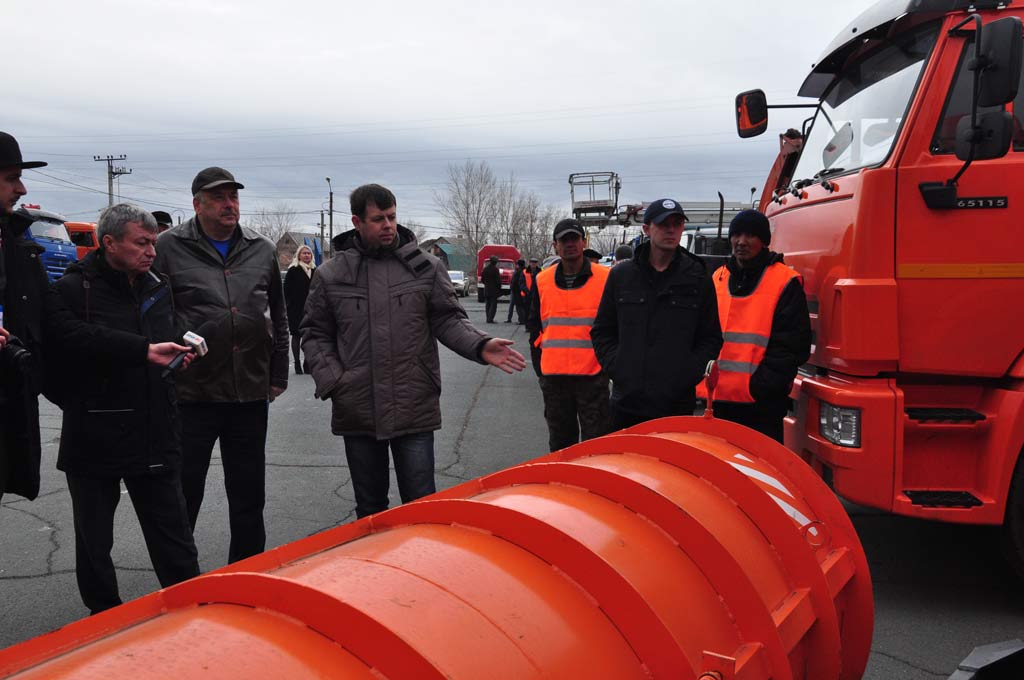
{"x": 1001, "y": 45}
{"x": 751, "y": 113}
{"x": 990, "y": 139}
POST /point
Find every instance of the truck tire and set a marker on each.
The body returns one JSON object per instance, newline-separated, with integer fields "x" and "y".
{"x": 1013, "y": 526}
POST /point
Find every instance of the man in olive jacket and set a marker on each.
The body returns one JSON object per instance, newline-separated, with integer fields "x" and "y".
{"x": 373, "y": 318}
{"x": 226, "y": 279}
{"x": 110, "y": 320}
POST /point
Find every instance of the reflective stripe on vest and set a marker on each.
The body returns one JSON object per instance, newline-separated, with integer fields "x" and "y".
{"x": 565, "y": 318}
{"x": 746, "y": 328}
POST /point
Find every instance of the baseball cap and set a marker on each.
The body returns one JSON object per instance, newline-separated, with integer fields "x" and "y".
{"x": 568, "y": 226}
{"x": 658, "y": 210}
{"x": 212, "y": 177}
{"x": 162, "y": 217}
{"x": 10, "y": 154}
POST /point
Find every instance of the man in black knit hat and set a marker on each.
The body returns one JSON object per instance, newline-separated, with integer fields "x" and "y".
{"x": 763, "y": 312}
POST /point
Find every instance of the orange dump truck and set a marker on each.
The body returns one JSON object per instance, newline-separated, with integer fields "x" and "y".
{"x": 682, "y": 548}
{"x": 83, "y": 235}
{"x": 900, "y": 203}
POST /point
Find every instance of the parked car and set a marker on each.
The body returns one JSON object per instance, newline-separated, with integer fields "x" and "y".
{"x": 459, "y": 283}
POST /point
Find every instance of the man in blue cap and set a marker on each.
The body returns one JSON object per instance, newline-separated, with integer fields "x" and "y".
{"x": 657, "y": 325}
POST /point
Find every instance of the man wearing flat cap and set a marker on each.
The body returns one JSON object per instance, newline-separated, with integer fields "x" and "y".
{"x": 563, "y": 301}
{"x": 763, "y": 312}
{"x": 23, "y": 286}
{"x": 163, "y": 220}
{"x": 657, "y": 325}
{"x": 225, "y": 278}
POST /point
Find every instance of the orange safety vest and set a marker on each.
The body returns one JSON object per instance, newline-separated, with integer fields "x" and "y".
{"x": 565, "y": 318}
{"x": 746, "y": 328}
{"x": 529, "y": 283}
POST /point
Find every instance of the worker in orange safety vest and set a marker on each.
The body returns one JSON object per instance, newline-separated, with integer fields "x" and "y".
{"x": 563, "y": 302}
{"x": 766, "y": 327}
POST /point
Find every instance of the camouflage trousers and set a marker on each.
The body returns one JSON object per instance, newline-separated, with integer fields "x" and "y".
{"x": 575, "y": 408}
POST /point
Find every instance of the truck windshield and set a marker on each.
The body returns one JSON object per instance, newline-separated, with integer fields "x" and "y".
{"x": 861, "y": 113}
{"x": 48, "y": 229}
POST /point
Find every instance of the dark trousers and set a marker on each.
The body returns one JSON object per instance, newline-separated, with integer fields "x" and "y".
{"x": 575, "y": 406}
{"x": 368, "y": 465}
{"x": 765, "y": 418}
{"x": 490, "y": 307}
{"x": 297, "y": 352}
{"x": 622, "y": 419}
{"x": 518, "y": 305}
{"x": 160, "y": 507}
{"x": 242, "y": 431}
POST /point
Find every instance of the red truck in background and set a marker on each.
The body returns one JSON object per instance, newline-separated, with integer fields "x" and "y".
{"x": 83, "y": 235}
{"x": 507, "y": 257}
{"x": 900, "y": 203}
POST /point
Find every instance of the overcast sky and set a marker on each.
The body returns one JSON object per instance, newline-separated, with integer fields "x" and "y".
{"x": 284, "y": 94}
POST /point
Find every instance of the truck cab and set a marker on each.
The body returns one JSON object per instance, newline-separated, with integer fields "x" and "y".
{"x": 83, "y": 235}
{"x": 48, "y": 231}
{"x": 901, "y": 212}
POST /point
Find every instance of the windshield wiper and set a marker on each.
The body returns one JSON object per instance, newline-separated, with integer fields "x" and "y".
{"x": 827, "y": 172}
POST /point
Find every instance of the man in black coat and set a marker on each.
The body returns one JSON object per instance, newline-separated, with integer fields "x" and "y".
{"x": 111, "y": 319}
{"x": 490, "y": 277}
{"x": 23, "y": 287}
{"x": 657, "y": 325}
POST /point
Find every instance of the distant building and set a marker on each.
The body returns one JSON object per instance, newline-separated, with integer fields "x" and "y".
{"x": 452, "y": 252}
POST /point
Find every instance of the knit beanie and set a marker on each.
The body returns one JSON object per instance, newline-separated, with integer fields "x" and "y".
{"x": 751, "y": 222}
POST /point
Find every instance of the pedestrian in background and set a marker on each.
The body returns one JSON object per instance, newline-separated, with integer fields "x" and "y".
{"x": 163, "y": 220}
{"x": 762, "y": 309}
{"x": 296, "y": 289}
{"x": 227, "y": 275}
{"x": 490, "y": 277}
{"x": 563, "y": 303}
{"x": 517, "y": 293}
{"x": 623, "y": 253}
{"x": 375, "y": 313}
{"x": 110, "y": 323}
{"x": 23, "y": 285}
{"x": 657, "y": 325}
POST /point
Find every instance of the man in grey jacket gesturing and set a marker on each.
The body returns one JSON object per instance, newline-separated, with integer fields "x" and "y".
{"x": 370, "y": 330}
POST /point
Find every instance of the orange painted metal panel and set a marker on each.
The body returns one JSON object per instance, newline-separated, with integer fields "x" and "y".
{"x": 678, "y": 547}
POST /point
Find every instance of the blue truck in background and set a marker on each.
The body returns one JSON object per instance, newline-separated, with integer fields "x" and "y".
{"x": 48, "y": 231}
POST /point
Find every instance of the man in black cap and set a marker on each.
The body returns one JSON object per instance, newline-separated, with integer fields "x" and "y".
{"x": 163, "y": 221}
{"x": 23, "y": 285}
{"x": 226, "y": 279}
{"x": 562, "y": 305}
{"x": 657, "y": 326}
{"x": 763, "y": 313}
{"x": 490, "y": 278}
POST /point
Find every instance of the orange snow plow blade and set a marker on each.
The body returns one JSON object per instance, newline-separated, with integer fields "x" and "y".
{"x": 681, "y": 548}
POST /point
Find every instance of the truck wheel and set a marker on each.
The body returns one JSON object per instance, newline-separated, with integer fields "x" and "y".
{"x": 1013, "y": 527}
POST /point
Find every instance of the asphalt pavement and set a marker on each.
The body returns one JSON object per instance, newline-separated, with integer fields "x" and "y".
{"x": 940, "y": 590}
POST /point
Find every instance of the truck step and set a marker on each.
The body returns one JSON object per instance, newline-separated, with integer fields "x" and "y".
{"x": 944, "y": 415}
{"x": 942, "y": 499}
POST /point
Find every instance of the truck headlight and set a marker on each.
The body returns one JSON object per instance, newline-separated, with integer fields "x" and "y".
{"x": 839, "y": 424}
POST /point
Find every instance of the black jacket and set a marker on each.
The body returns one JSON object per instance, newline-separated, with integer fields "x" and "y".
{"x": 296, "y": 290}
{"x": 120, "y": 416}
{"x": 789, "y": 345}
{"x": 23, "y": 285}
{"x": 533, "y": 324}
{"x": 655, "y": 332}
{"x": 242, "y": 298}
{"x": 490, "y": 277}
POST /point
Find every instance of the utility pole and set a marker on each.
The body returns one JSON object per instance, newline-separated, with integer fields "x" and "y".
{"x": 323, "y": 251}
{"x": 113, "y": 172}
{"x": 330, "y": 189}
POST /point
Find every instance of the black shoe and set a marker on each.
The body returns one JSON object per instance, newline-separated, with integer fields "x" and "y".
{"x": 298, "y": 369}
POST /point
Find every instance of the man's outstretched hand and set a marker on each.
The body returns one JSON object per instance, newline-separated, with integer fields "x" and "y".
{"x": 498, "y": 352}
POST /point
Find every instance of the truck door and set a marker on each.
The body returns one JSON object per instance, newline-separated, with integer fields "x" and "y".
{"x": 958, "y": 272}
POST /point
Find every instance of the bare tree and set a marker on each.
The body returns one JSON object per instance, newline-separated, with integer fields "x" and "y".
{"x": 606, "y": 240}
{"x": 274, "y": 221}
{"x": 467, "y": 202}
{"x": 418, "y": 229}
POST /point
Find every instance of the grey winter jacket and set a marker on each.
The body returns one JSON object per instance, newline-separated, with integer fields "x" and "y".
{"x": 370, "y": 332}
{"x": 242, "y": 304}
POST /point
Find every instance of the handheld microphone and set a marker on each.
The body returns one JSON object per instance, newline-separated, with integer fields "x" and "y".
{"x": 197, "y": 345}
